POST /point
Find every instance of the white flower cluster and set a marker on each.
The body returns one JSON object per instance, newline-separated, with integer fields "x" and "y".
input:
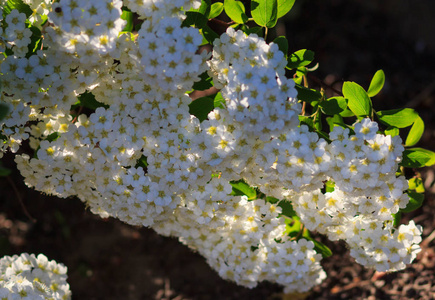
{"x": 251, "y": 73}
{"x": 141, "y": 156}
{"x": 366, "y": 194}
{"x": 33, "y": 277}
{"x": 16, "y": 34}
{"x": 294, "y": 163}
{"x": 244, "y": 242}
{"x": 39, "y": 9}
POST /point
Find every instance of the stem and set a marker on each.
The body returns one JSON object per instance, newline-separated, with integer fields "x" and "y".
{"x": 304, "y": 104}
{"x": 322, "y": 83}
{"x": 265, "y": 32}
{"x": 220, "y": 22}
{"x": 78, "y": 114}
{"x": 11, "y": 182}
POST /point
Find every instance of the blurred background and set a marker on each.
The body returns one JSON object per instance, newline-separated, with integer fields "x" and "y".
{"x": 108, "y": 259}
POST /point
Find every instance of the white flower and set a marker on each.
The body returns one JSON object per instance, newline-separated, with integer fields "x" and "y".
{"x": 366, "y": 129}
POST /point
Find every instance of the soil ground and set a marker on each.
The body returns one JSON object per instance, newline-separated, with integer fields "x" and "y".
{"x": 108, "y": 259}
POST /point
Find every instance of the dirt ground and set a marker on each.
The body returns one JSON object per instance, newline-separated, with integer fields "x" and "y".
{"x": 108, "y": 259}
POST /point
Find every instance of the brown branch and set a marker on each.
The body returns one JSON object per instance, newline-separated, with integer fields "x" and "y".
{"x": 17, "y": 194}
{"x": 323, "y": 84}
{"x": 78, "y": 114}
{"x": 222, "y": 23}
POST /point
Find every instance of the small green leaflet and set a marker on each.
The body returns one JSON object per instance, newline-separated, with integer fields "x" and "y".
{"x": 282, "y": 43}
{"x": 400, "y": 118}
{"x": 416, "y": 184}
{"x": 333, "y": 105}
{"x": 417, "y": 158}
{"x": 219, "y": 100}
{"x": 142, "y": 162}
{"x": 241, "y": 188}
{"x": 216, "y": 9}
{"x": 318, "y": 246}
{"x": 204, "y": 8}
{"x": 397, "y": 218}
{"x": 334, "y": 121}
{"x": 236, "y": 11}
{"x": 415, "y": 133}
{"x": 195, "y": 19}
{"x": 415, "y": 201}
{"x": 307, "y": 95}
{"x": 358, "y": 100}
{"x": 300, "y": 58}
{"x": 127, "y": 15}
{"x": 287, "y": 208}
{"x": 208, "y": 34}
{"x": 393, "y": 131}
{"x": 18, "y": 5}
{"x": 265, "y": 12}
{"x": 376, "y": 84}
{"x": 284, "y": 6}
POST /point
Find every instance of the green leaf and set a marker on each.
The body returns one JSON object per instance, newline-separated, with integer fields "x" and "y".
{"x": 358, "y": 100}
{"x": 416, "y": 183}
{"x": 305, "y": 120}
{"x": 417, "y": 158}
{"x": 195, "y": 19}
{"x": 216, "y": 9}
{"x": 18, "y": 5}
{"x": 321, "y": 248}
{"x": 201, "y": 107}
{"x": 272, "y": 200}
{"x": 293, "y": 226}
{"x": 334, "y": 121}
{"x": 314, "y": 127}
{"x": 255, "y": 30}
{"x": 204, "y": 8}
{"x": 415, "y": 133}
{"x": 329, "y": 186}
{"x": 397, "y": 218}
{"x": 307, "y": 95}
{"x": 287, "y": 208}
{"x": 284, "y": 6}
{"x": 400, "y": 118}
{"x": 301, "y": 71}
{"x": 219, "y": 101}
{"x": 282, "y": 43}
{"x": 333, "y": 105}
{"x": 209, "y": 34}
{"x": 87, "y": 100}
{"x": 142, "y": 162}
{"x": 205, "y": 83}
{"x": 236, "y": 11}
{"x": 376, "y": 84}
{"x": 241, "y": 188}
{"x": 52, "y": 137}
{"x": 127, "y": 16}
{"x": 4, "y": 110}
{"x": 393, "y": 131}
{"x": 415, "y": 201}
{"x": 35, "y": 40}
{"x": 300, "y": 58}
{"x": 347, "y": 113}
{"x": 265, "y": 12}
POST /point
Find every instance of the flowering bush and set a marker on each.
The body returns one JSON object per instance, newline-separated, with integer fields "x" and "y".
{"x": 32, "y": 277}
{"x": 99, "y": 90}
